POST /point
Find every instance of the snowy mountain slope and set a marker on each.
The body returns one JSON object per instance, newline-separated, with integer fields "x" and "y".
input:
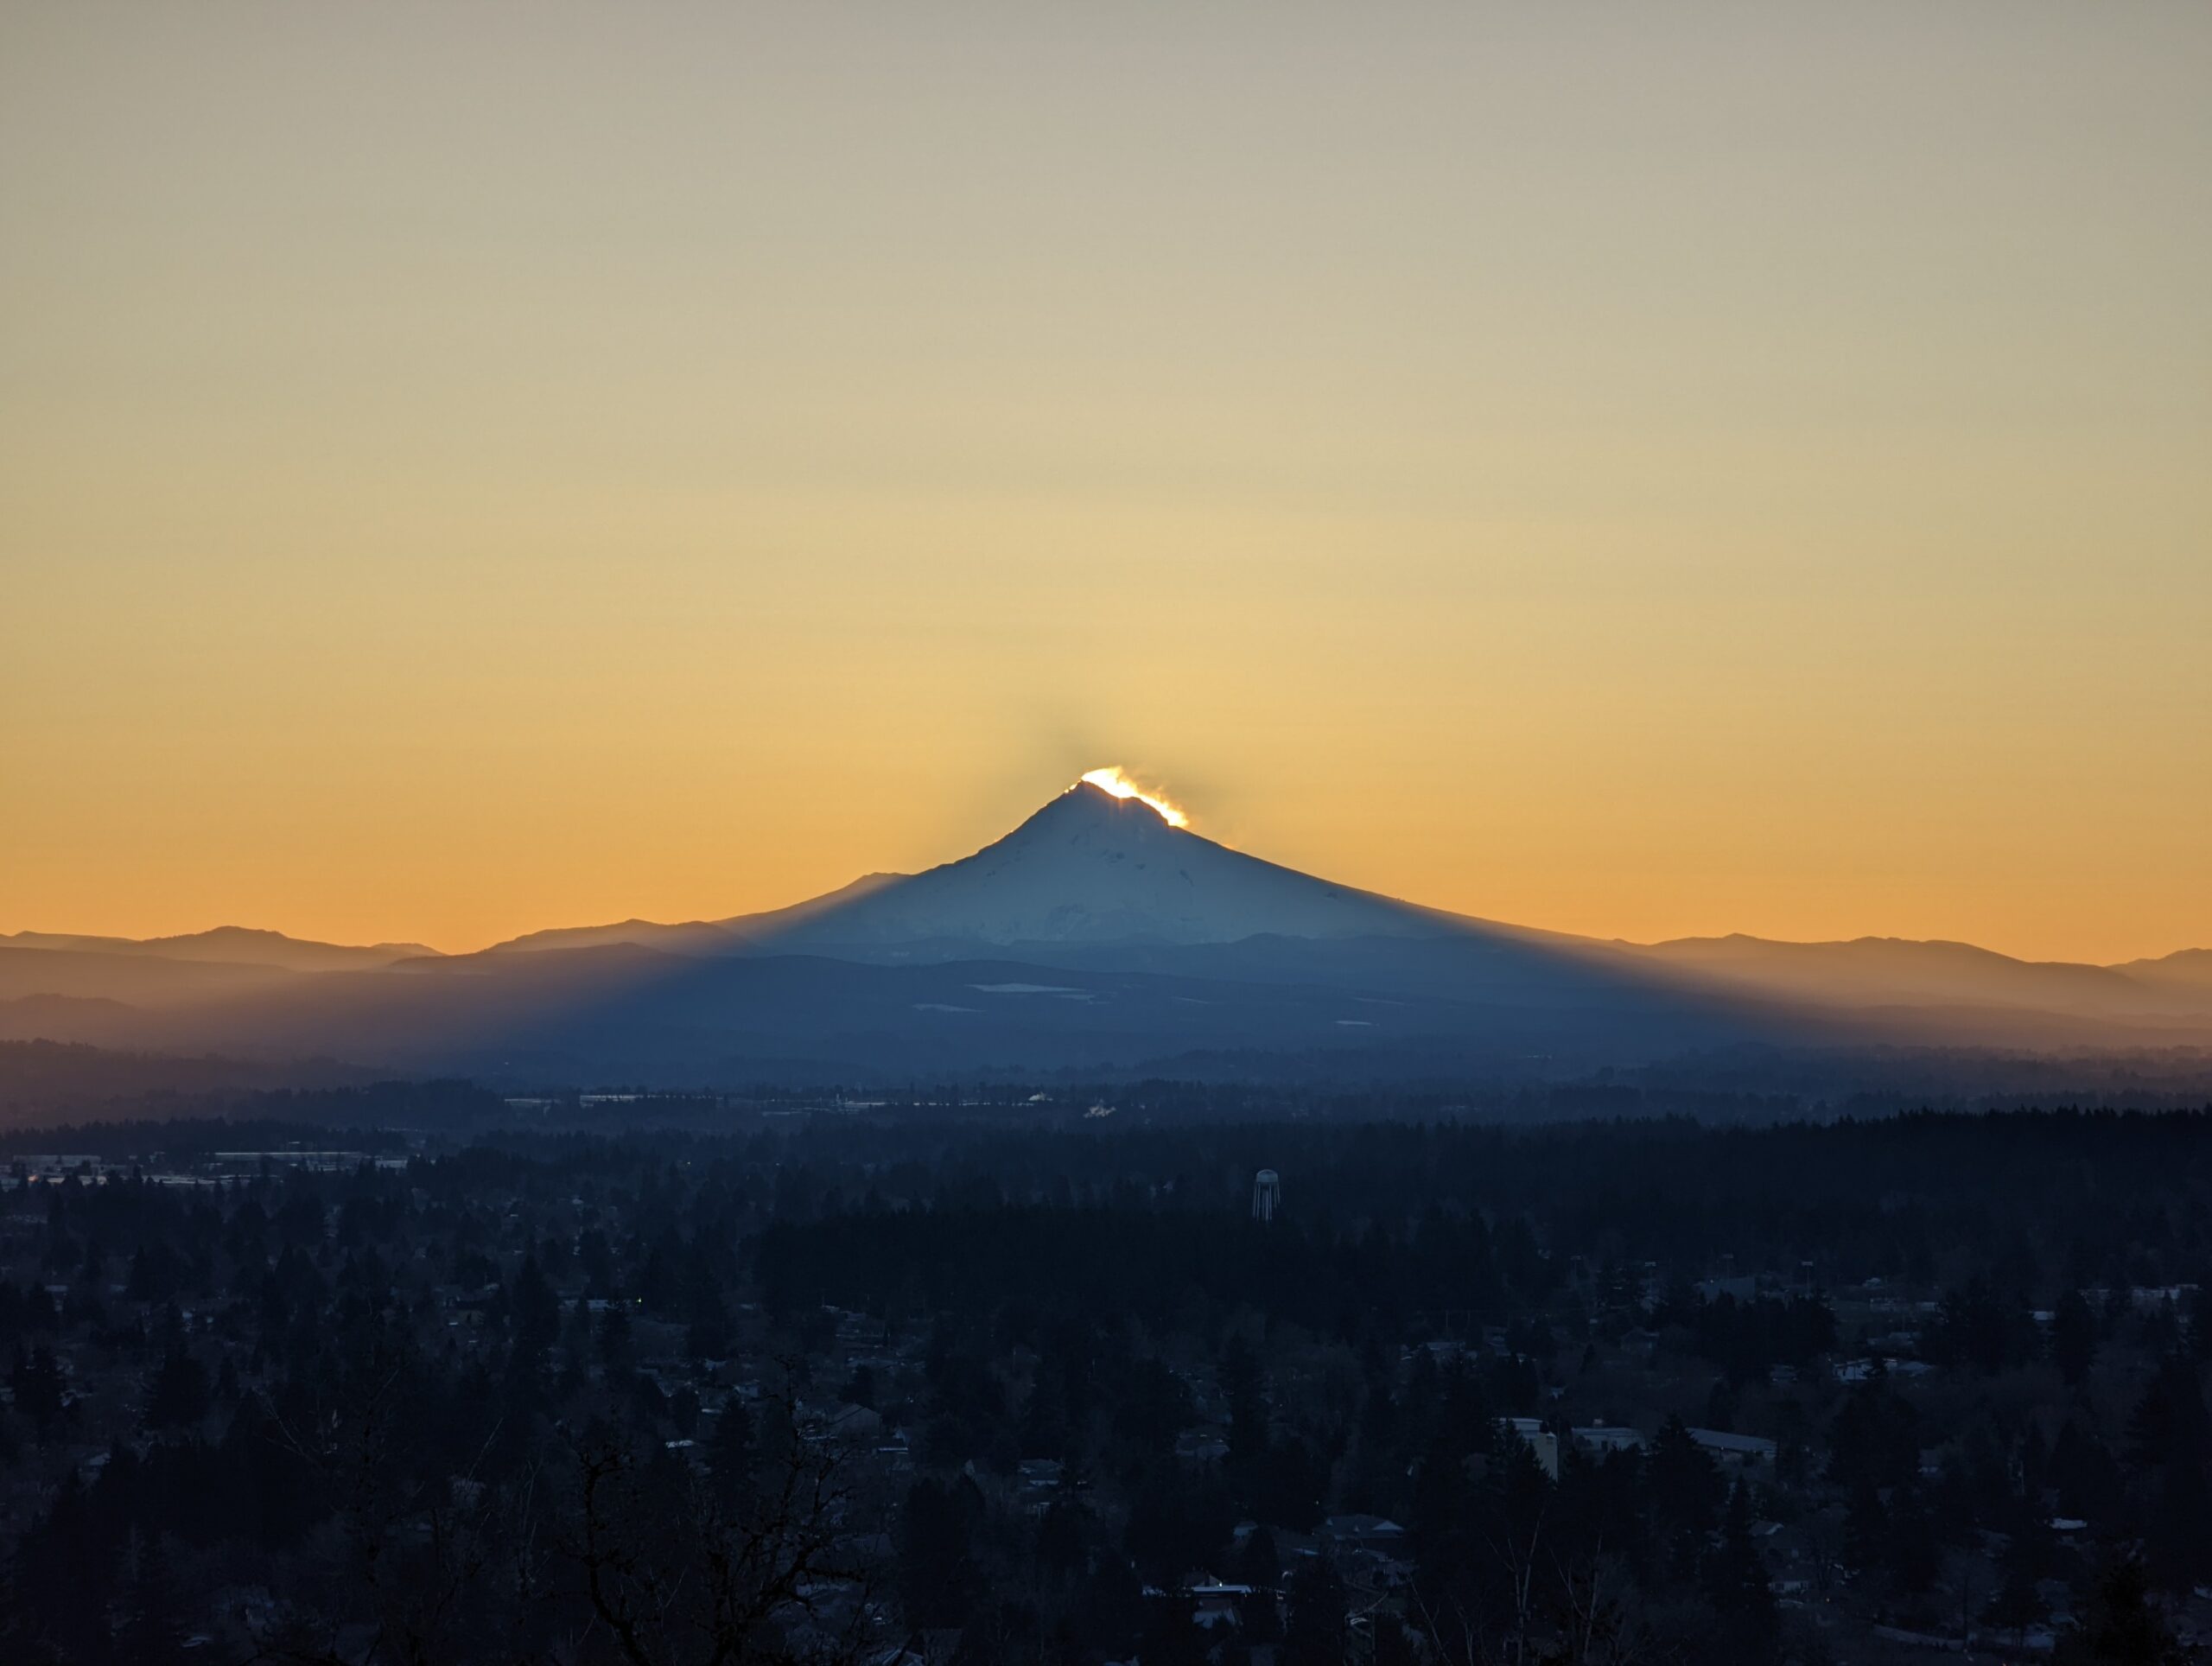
{"x": 1091, "y": 867}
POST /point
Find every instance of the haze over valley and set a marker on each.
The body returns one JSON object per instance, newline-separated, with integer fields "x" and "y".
{"x": 1095, "y": 936}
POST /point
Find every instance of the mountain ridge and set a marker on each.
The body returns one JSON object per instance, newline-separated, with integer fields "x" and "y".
{"x": 1093, "y": 934}
{"x": 249, "y": 945}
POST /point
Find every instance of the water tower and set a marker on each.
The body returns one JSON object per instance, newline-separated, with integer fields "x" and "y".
{"x": 1267, "y": 1193}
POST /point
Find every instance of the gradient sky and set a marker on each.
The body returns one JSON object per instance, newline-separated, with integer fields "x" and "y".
{"x": 1640, "y": 471}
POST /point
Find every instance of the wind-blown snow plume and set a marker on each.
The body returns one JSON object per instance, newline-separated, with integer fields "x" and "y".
{"x": 1113, "y": 779}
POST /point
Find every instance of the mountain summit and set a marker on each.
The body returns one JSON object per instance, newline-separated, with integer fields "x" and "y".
{"x": 1095, "y": 936}
{"x": 1092, "y": 868}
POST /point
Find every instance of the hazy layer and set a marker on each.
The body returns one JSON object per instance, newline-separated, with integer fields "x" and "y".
{"x": 466, "y": 470}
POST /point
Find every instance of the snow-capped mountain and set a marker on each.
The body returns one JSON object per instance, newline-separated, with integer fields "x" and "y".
{"x": 1097, "y": 934}
{"x": 1091, "y": 868}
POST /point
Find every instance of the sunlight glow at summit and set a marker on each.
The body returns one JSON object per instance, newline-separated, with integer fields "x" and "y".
{"x": 1114, "y": 780}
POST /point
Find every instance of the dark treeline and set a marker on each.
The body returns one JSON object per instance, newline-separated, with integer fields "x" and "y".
{"x": 199, "y": 1137}
{"x": 878, "y": 1385}
{"x": 1740, "y": 1087}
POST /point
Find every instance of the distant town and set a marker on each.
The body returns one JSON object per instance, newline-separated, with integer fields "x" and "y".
{"x": 1101, "y": 1389}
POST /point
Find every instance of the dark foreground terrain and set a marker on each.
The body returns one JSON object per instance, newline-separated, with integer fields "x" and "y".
{"x": 840, "y": 1382}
